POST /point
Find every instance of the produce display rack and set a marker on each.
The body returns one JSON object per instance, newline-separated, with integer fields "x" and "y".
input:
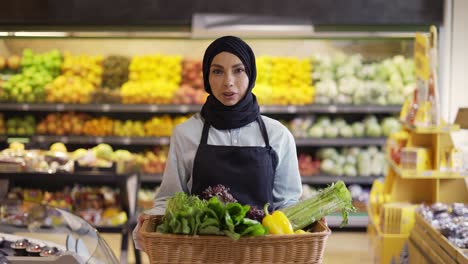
{"x": 410, "y": 186}
{"x": 184, "y": 108}
{"x": 316, "y": 179}
{"x": 326, "y": 179}
{"x": 112, "y": 140}
{"x": 161, "y": 141}
{"x": 339, "y": 142}
{"x": 128, "y": 185}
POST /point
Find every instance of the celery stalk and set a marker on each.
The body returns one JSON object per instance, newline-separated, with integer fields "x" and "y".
{"x": 331, "y": 199}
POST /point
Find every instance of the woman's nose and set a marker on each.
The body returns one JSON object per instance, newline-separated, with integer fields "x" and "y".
{"x": 228, "y": 80}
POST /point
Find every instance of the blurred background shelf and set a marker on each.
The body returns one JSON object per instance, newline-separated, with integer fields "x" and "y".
{"x": 191, "y": 108}
{"x": 327, "y": 179}
{"x": 333, "y": 142}
{"x": 316, "y": 179}
{"x": 112, "y": 140}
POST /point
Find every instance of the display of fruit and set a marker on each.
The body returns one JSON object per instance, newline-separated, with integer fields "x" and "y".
{"x": 449, "y": 219}
{"x": 87, "y": 67}
{"x": 37, "y": 71}
{"x": 62, "y": 124}
{"x": 98, "y": 205}
{"x": 2, "y": 125}
{"x": 192, "y": 74}
{"x": 106, "y": 95}
{"x": 324, "y": 127}
{"x": 146, "y": 198}
{"x": 155, "y": 160}
{"x": 69, "y": 89}
{"x": 284, "y": 81}
{"x": 307, "y": 165}
{"x": 352, "y": 161}
{"x": 152, "y": 79}
{"x": 10, "y": 64}
{"x": 189, "y": 95}
{"x": 21, "y": 126}
{"x": 27, "y": 87}
{"x": 58, "y": 147}
{"x": 148, "y": 92}
{"x": 159, "y": 126}
{"x": 2, "y": 63}
{"x": 343, "y": 79}
{"x": 129, "y": 128}
{"x": 115, "y": 71}
{"x": 49, "y": 61}
{"x": 101, "y": 126}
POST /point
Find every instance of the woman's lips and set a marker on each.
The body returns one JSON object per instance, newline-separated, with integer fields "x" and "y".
{"x": 229, "y": 95}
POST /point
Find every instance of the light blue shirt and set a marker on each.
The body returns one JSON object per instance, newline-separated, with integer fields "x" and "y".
{"x": 184, "y": 144}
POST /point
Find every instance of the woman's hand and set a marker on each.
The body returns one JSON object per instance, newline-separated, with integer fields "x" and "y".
{"x": 137, "y": 239}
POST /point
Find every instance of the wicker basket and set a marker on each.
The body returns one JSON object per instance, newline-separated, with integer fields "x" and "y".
{"x": 169, "y": 248}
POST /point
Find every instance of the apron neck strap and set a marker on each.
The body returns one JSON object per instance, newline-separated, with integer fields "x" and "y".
{"x": 264, "y": 131}
{"x": 206, "y": 128}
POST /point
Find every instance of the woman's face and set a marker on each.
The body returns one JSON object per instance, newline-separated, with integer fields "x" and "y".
{"x": 228, "y": 79}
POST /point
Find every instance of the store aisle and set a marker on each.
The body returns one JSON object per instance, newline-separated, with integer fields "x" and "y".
{"x": 342, "y": 248}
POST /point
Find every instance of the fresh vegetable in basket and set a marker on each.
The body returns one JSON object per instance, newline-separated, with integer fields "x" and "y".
{"x": 331, "y": 199}
{"x": 277, "y": 223}
{"x": 186, "y": 214}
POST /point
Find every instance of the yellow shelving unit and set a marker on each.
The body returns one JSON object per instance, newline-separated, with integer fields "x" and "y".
{"x": 412, "y": 187}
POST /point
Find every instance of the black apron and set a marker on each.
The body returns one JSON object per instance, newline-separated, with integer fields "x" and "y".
{"x": 248, "y": 171}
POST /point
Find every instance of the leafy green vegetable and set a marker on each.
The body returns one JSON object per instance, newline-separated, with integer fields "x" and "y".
{"x": 187, "y": 214}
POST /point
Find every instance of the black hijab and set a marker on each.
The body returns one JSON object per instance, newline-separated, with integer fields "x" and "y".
{"x": 246, "y": 110}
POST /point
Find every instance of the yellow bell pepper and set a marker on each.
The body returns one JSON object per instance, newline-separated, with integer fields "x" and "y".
{"x": 277, "y": 222}
{"x": 300, "y": 232}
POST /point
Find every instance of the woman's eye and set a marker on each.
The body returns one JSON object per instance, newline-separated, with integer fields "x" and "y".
{"x": 239, "y": 70}
{"x": 216, "y": 71}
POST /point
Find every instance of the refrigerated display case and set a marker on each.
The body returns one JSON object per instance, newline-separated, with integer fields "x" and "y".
{"x": 37, "y": 233}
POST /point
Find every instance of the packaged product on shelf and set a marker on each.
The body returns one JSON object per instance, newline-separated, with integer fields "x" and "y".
{"x": 416, "y": 158}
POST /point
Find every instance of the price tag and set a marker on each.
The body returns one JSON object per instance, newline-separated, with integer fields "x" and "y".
{"x": 99, "y": 140}
{"x": 183, "y": 108}
{"x": 40, "y": 139}
{"x": 126, "y": 141}
{"x": 64, "y": 139}
{"x": 291, "y": 109}
{"x": 332, "y": 109}
{"x": 154, "y": 108}
{"x": 60, "y": 107}
{"x": 164, "y": 141}
{"x": 105, "y": 107}
{"x": 25, "y": 107}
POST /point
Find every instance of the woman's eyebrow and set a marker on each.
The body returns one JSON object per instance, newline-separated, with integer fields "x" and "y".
{"x": 233, "y": 66}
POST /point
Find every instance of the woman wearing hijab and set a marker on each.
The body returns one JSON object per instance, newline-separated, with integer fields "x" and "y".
{"x": 229, "y": 142}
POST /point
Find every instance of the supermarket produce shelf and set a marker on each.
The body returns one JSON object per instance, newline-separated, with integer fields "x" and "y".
{"x": 332, "y": 142}
{"x": 316, "y": 179}
{"x": 112, "y": 140}
{"x": 327, "y": 179}
{"x": 355, "y": 220}
{"x": 154, "y": 108}
{"x": 151, "y": 178}
{"x": 301, "y": 142}
{"x": 78, "y": 177}
{"x": 115, "y": 108}
{"x": 331, "y": 109}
